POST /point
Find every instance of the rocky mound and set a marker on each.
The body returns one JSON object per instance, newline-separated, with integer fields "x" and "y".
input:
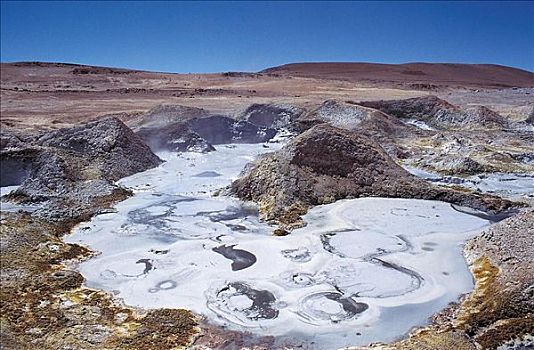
{"x": 502, "y": 260}
{"x": 113, "y": 149}
{"x": 350, "y": 116}
{"x": 218, "y": 129}
{"x": 180, "y": 128}
{"x": 325, "y": 164}
{"x": 485, "y": 117}
{"x": 164, "y": 128}
{"x": 450, "y": 154}
{"x": 174, "y": 137}
{"x": 275, "y": 116}
{"x": 10, "y": 139}
{"x": 453, "y": 164}
{"x": 439, "y": 113}
{"x": 168, "y": 114}
{"x": 72, "y": 168}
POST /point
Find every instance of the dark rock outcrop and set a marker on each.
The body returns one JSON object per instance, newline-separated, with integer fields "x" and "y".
{"x": 218, "y": 129}
{"x": 175, "y": 137}
{"x": 74, "y": 168}
{"x": 112, "y": 148}
{"x": 180, "y": 128}
{"x": 275, "y": 116}
{"x": 325, "y": 164}
{"x": 9, "y": 140}
{"x": 165, "y": 128}
{"x": 16, "y": 164}
{"x": 530, "y": 118}
{"x": 440, "y": 113}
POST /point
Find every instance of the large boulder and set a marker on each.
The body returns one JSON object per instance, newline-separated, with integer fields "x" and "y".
{"x": 325, "y": 164}
{"x": 439, "y": 113}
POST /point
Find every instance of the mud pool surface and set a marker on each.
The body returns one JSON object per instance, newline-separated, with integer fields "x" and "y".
{"x": 363, "y": 270}
{"x": 508, "y": 185}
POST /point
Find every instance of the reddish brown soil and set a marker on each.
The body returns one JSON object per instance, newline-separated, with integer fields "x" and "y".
{"x": 481, "y": 75}
{"x": 52, "y": 95}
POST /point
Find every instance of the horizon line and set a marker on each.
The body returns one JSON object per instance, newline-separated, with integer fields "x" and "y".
{"x": 275, "y": 66}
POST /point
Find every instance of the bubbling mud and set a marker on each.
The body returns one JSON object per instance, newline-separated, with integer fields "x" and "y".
{"x": 361, "y": 271}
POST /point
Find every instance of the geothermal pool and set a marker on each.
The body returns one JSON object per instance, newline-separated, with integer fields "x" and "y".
{"x": 361, "y": 271}
{"x": 515, "y": 186}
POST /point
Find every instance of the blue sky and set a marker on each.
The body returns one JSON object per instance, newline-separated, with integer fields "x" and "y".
{"x": 250, "y": 36}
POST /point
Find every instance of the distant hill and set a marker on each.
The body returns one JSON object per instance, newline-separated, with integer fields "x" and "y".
{"x": 34, "y": 70}
{"x": 417, "y": 75}
{"x": 454, "y": 74}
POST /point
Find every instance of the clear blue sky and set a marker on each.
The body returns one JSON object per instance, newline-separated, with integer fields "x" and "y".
{"x": 250, "y": 36}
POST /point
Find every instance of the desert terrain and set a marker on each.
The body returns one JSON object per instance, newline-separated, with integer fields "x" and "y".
{"x": 387, "y": 205}
{"x": 63, "y": 94}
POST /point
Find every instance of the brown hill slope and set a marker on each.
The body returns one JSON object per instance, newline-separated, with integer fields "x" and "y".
{"x": 479, "y": 75}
